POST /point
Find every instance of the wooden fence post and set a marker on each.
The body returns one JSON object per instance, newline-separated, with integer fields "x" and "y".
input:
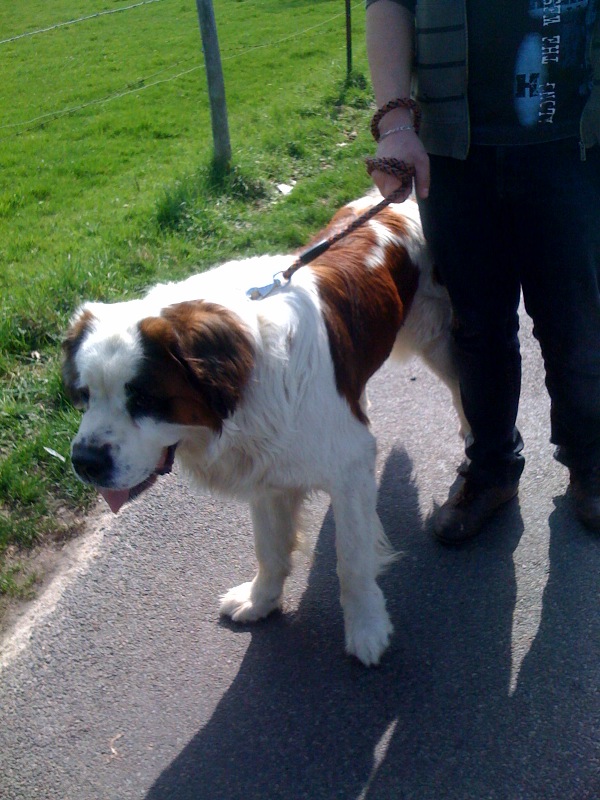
{"x": 216, "y": 84}
{"x": 348, "y": 39}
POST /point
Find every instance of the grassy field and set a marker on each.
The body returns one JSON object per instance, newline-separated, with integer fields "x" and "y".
{"x": 107, "y": 185}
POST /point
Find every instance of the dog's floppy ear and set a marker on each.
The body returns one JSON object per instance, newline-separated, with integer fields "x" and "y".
{"x": 213, "y": 349}
{"x": 78, "y": 330}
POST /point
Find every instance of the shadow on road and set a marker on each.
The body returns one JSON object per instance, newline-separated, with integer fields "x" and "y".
{"x": 437, "y": 720}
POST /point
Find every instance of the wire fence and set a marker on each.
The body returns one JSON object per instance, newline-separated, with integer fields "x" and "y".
{"x": 26, "y": 126}
{"x": 58, "y": 25}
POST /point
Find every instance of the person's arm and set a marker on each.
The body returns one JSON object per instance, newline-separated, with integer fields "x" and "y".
{"x": 390, "y": 49}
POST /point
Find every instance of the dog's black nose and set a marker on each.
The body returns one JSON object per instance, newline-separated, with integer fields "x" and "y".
{"x": 93, "y": 464}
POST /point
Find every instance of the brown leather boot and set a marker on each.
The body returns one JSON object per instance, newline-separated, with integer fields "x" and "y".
{"x": 465, "y": 513}
{"x": 585, "y": 493}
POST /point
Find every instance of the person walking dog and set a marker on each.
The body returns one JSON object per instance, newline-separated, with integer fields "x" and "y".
{"x": 507, "y": 175}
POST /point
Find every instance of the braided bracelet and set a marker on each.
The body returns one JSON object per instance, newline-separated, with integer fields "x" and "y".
{"x": 401, "y": 102}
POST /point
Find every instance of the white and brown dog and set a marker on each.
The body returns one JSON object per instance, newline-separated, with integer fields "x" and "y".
{"x": 265, "y": 400}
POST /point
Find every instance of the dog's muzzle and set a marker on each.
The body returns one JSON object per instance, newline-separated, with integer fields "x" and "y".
{"x": 95, "y": 465}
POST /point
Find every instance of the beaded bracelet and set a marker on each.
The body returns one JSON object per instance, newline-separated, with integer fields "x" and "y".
{"x": 401, "y": 102}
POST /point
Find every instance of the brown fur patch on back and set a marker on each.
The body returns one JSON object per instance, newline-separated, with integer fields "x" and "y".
{"x": 341, "y": 219}
{"x": 198, "y": 359}
{"x": 365, "y": 306}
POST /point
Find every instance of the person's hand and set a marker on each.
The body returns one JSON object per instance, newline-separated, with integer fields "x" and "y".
{"x": 407, "y": 147}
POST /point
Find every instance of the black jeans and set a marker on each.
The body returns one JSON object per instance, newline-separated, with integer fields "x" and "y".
{"x": 512, "y": 218}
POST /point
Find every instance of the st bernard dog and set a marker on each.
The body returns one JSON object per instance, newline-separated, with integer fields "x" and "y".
{"x": 265, "y": 400}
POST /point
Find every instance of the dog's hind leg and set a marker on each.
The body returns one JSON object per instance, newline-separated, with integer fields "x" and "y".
{"x": 275, "y": 518}
{"x": 362, "y": 550}
{"x": 427, "y": 332}
{"x": 438, "y": 357}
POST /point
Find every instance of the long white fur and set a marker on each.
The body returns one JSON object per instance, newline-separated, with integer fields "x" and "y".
{"x": 292, "y": 432}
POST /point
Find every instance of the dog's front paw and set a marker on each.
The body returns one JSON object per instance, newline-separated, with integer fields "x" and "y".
{"x": 369, "y": 644}
{"x": 247, "y": 603}
{"x": 368, "y": 630}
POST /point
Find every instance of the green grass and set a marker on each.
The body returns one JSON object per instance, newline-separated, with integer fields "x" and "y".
{"x": 107, "y": 185}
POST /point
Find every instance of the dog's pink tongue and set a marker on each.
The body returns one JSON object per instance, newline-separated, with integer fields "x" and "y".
{"x": 115, "y": 498}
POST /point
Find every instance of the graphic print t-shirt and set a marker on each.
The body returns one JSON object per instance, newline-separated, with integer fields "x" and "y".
{"x": 528, "y": 79}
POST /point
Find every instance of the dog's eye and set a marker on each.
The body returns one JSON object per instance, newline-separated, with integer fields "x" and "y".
{"x": 142, "y": 404}
{"x": 81, "y": 397}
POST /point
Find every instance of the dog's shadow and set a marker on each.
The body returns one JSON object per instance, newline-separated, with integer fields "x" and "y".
{"x": 436, "y": 720}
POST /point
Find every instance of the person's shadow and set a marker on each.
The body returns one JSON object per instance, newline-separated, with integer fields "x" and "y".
{"x": 436, "y": 721}
{"x": 552, "y": 734}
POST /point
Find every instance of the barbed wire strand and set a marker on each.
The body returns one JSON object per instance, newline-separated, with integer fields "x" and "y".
{"x": 37, "y": 121}
{"x": 291, "y": 36}
{"x": 75, "y": 21}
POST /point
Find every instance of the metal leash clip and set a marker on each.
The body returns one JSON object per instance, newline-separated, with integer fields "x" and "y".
{"x": 260, "y": 292}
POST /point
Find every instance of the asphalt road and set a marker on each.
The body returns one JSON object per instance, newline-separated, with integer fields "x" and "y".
{"x": 122, "y": 683}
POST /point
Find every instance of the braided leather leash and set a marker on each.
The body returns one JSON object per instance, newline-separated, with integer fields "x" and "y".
{"x": 392, "y": 166}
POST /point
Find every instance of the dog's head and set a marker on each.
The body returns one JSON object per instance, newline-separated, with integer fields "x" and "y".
{"x": 143, "y": 380}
